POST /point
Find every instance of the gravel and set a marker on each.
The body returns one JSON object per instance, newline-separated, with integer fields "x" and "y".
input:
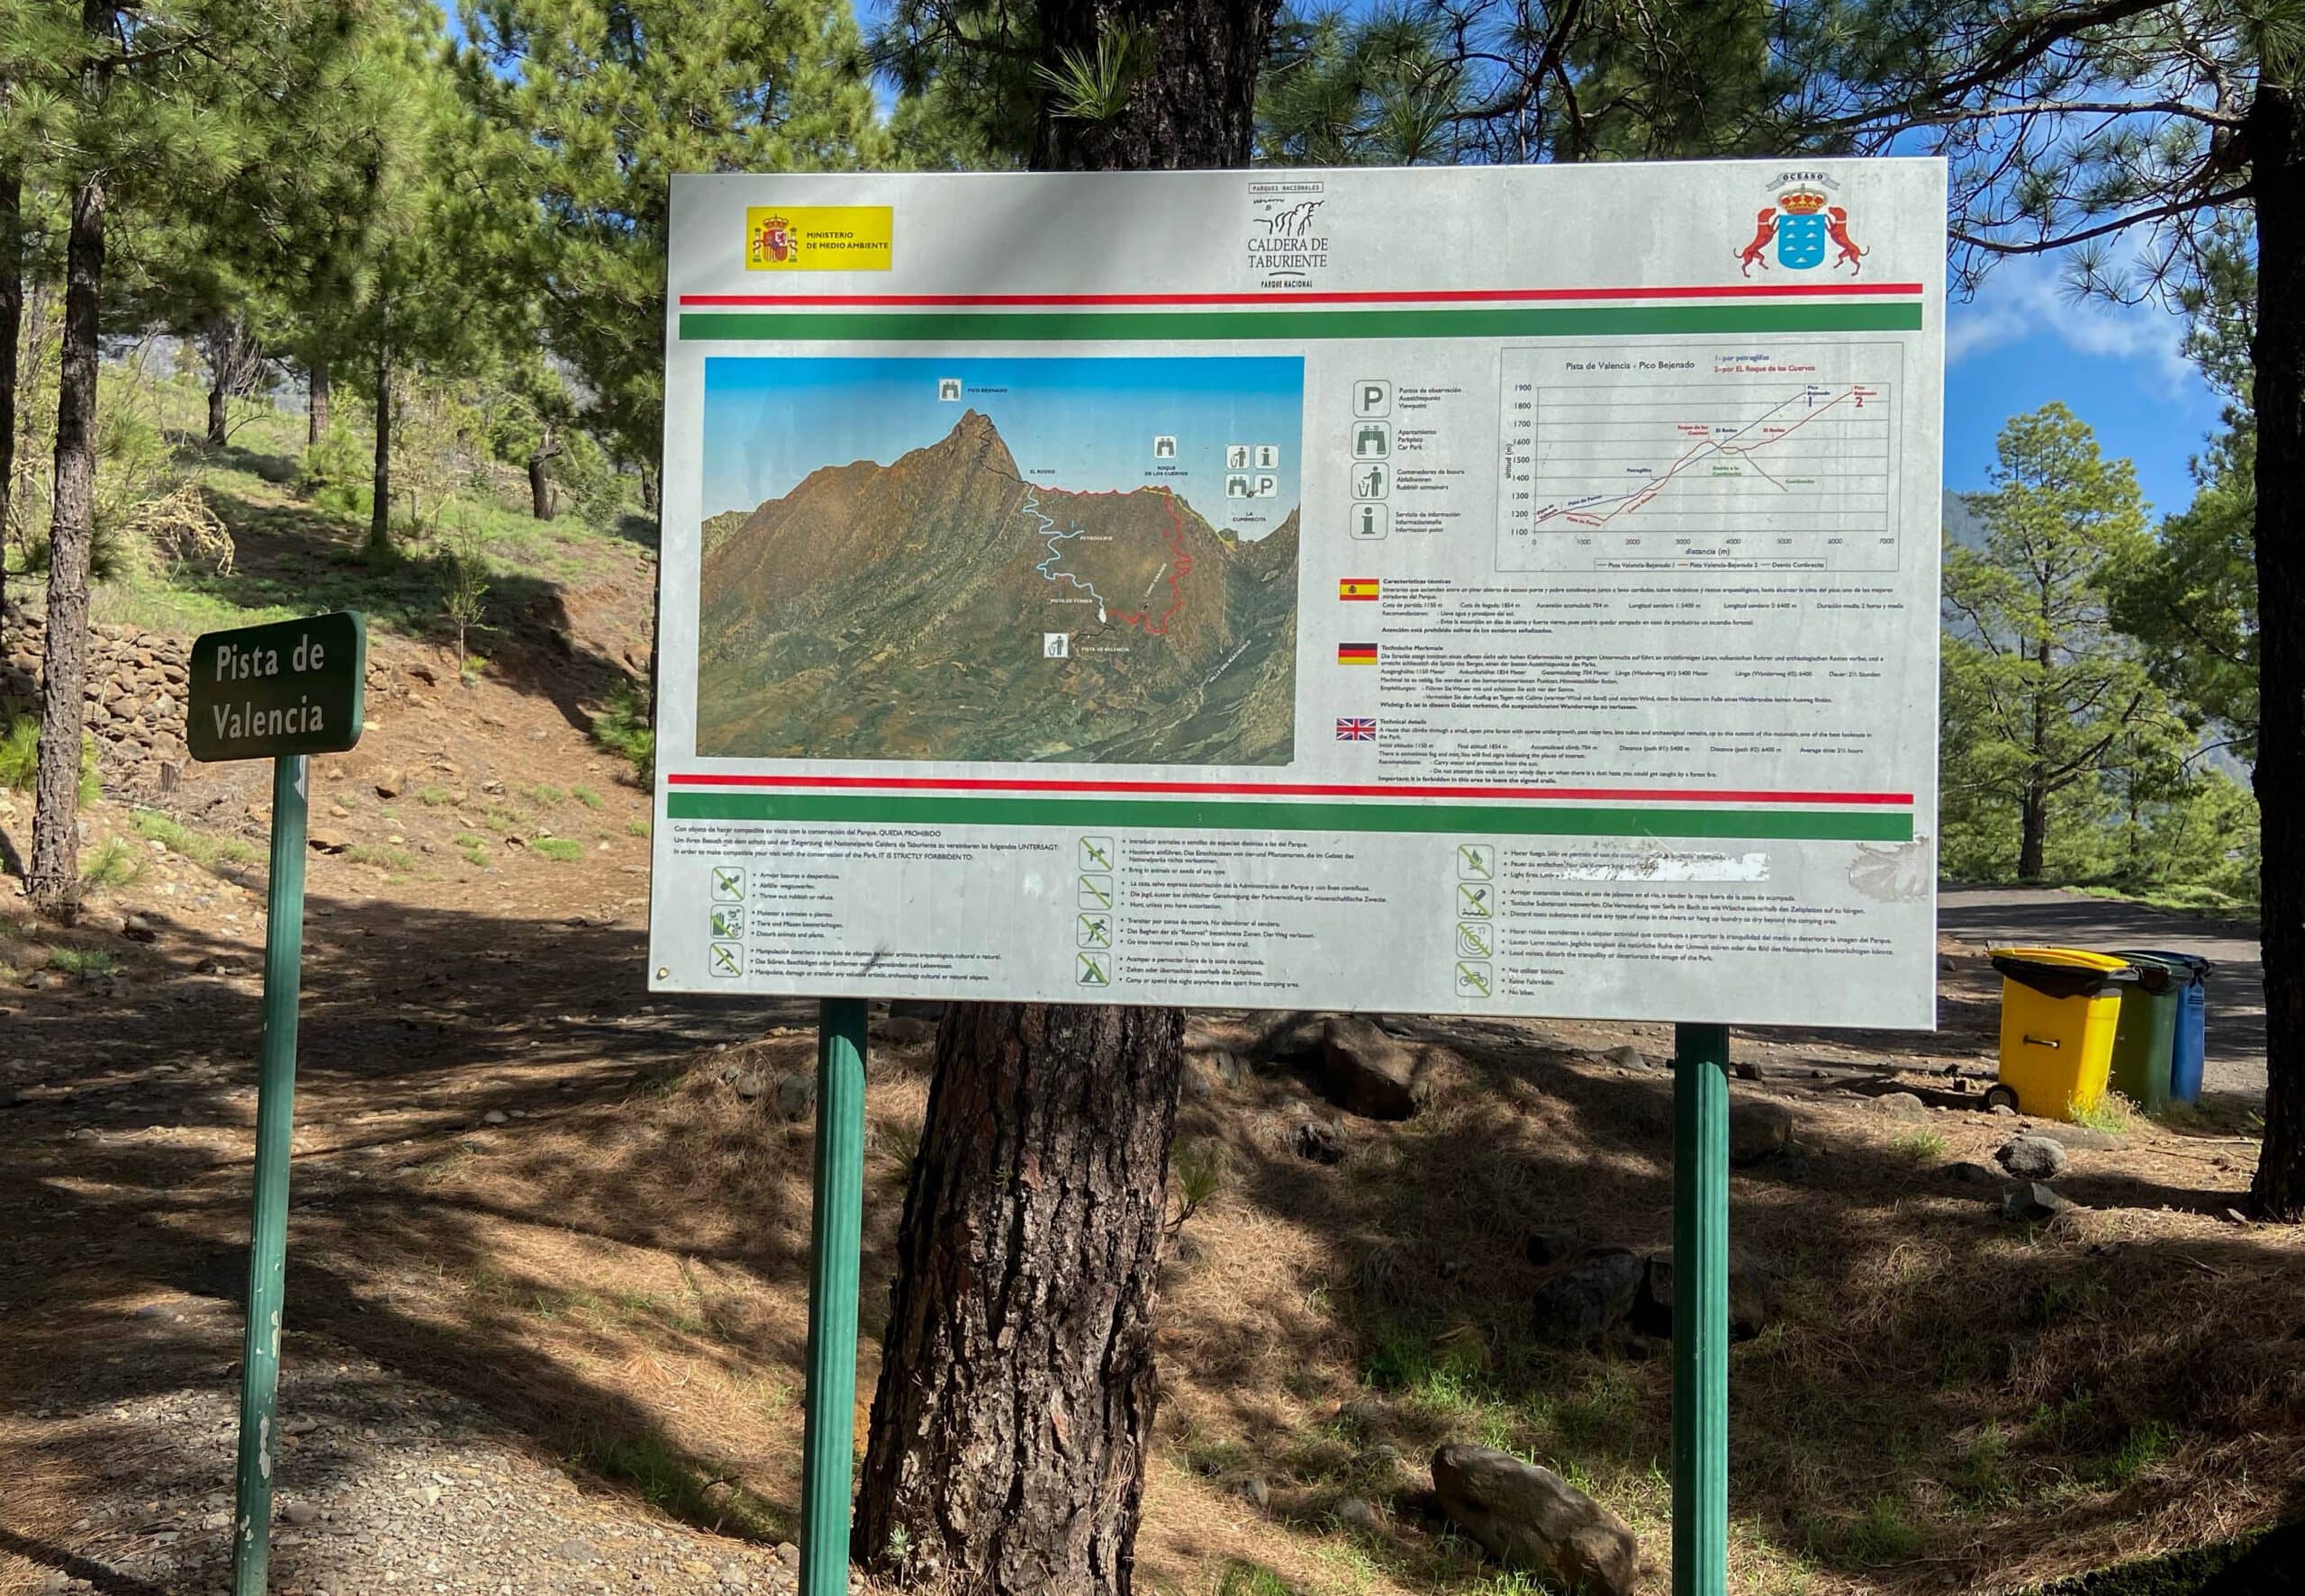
{"x": 382, "y": 1486}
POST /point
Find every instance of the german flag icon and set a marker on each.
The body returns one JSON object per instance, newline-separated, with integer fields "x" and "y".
{"x": 1356, "y": 654}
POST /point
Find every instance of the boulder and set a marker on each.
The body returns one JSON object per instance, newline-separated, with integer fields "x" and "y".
{"x": 1318, "y": 1141}
{"x": 1625, "y": 1057}
{"x": 2034, "y": 1203}
{"x": 2080, "y": 1138}
{"x": 1751, "y": 1300}
{"x": 2032, "y": 1156}
{"x": 1900, "y": 1105}
{"x": 1967, "y": 1173}
{"x": 796, "y": 1095}
{"x": 1549, "y": 1247}
{"x": 1758, "y": 1128}
{"x": 1529, "y": 1517}
{"x": 1294, "y": 1037}
{"x": 1368, "y": 1072}
{"x": 1585, "y": 1301}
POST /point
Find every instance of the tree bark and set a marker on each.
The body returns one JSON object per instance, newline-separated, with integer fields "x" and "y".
{"x": 1014, "y": 1409}
{"x": 316, "y": 407}
{"x": 2032, "y": 831}
{"x": 52, "y": 875}
{"x": 539, "y": 484}
{"x": 217, "y": 435}
{"x": 1193, "y": 103}
{"x": 2277, "y": 139}
{"x": 12, "y": 322}
{"x": 380, "y": 510}
{"x": 1017, "y": 1386}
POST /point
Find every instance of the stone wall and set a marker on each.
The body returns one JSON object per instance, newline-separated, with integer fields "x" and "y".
{"x": 135, "y": 696}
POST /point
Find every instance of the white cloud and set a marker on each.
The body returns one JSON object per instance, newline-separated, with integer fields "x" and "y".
{"x": 2025, "y": 298}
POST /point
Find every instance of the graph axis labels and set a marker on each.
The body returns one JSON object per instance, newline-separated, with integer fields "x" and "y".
{"x": 1701, "y": 456}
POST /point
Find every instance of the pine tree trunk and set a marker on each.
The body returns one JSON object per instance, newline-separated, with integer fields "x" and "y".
{"x": 1014, "y": 1415}
{"x": 2032, "y": 834}
{"x": 1194, "y": 104}
{"x": 1014, "y": 1409}
{"x": 11, "y": 320}
{"x": 316, "y": 389}
{"x": 2277, "y": 139}
{"x": 380, "y": 511}
{"x": 216, "y": 397}
{"x": 53, "y": 876}
{"x": 540, "y": 484}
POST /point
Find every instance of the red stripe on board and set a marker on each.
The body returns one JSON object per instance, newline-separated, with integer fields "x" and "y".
{"x": 1326, "y": 297}
{"x": 1289, "y": 789}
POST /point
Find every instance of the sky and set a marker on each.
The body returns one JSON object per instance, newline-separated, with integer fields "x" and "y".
{"x": 1082, "y": 423}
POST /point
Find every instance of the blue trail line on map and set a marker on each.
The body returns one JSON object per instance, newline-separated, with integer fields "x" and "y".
{"x": 1032, "y": 507}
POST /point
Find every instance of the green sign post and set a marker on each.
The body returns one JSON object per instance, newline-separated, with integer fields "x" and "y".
{"x": 1700, "y": 1310}
{"x": 285, "y": 692}
{"x": 828, "y": 1432}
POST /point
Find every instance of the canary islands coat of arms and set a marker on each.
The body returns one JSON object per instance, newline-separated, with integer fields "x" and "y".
{"x": 1805, "y": 226}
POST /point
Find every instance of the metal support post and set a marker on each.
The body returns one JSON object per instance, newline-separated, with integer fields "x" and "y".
{"x": 829, "y": 1438}
{"x": 1700, "y": 1310}
{"x": 275, "y": 1129}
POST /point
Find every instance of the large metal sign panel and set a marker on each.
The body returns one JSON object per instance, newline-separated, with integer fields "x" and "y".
{"x": 1501, "y": 590}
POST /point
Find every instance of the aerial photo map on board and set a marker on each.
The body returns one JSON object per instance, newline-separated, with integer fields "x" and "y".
{"x": 1042, "y": 559}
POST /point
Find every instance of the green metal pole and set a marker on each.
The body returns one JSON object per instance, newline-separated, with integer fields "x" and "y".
{"x": 1700, "y": 1310}
{"x": 276, "y": 1127}
{"x": 829, "y": 1437}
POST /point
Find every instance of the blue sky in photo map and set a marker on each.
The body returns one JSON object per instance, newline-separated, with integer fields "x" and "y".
{"x": 2023, "y": 341}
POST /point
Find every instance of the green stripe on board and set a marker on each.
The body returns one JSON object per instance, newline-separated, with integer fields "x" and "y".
{"x": 1228, "y": 815}
{"x": 1169, "y": 326}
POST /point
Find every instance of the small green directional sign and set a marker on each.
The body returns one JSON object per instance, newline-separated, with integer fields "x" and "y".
{"x": 266, "y": 692}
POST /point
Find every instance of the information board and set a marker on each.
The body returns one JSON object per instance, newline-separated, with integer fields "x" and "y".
{"x": 1498, "y": 590}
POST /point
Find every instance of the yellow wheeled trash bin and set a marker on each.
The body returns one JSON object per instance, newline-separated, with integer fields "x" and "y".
{"x": 2059, "y": 1009}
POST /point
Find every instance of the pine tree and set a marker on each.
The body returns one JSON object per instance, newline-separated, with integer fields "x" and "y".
{"x": 606, "y": 99}
{"x": 2041, "y": 687}
{"x": 143, "y": 105}
{"x": 1014, "y": 1414}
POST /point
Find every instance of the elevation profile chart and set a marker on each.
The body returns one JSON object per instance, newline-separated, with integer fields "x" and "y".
{"x": 1777, "y": 457}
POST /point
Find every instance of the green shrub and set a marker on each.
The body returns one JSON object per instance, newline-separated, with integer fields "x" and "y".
{"x": 545, "y": 794}
{"x": 586, "y": 796}
{"x": 382, "y": 858}
{"x": 337, "y": 473}
{"x": 111, "y": 863}
{"x": 200, "y": 848}
{"x": 564, "y": 849}
{"x": 20, "y": 759}
{"x": 82, "y": 961}
{"x": 627, "y": 728}
{"x": 1920, "y": 1146}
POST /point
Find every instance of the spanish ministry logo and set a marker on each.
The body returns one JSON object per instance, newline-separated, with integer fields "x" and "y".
{"x": 819, "y": 237}
{"x": 773, "y": 238}
{"x": 1804, "y": 223}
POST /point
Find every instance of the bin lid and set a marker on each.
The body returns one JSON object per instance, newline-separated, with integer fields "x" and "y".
{"x": 2061, "y": 972}
{"x": 2191, "y": 964}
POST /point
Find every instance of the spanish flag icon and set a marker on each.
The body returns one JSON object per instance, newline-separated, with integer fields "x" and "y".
{"x": 1356, "y": 654}
{"x": 1361, "y": 588}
